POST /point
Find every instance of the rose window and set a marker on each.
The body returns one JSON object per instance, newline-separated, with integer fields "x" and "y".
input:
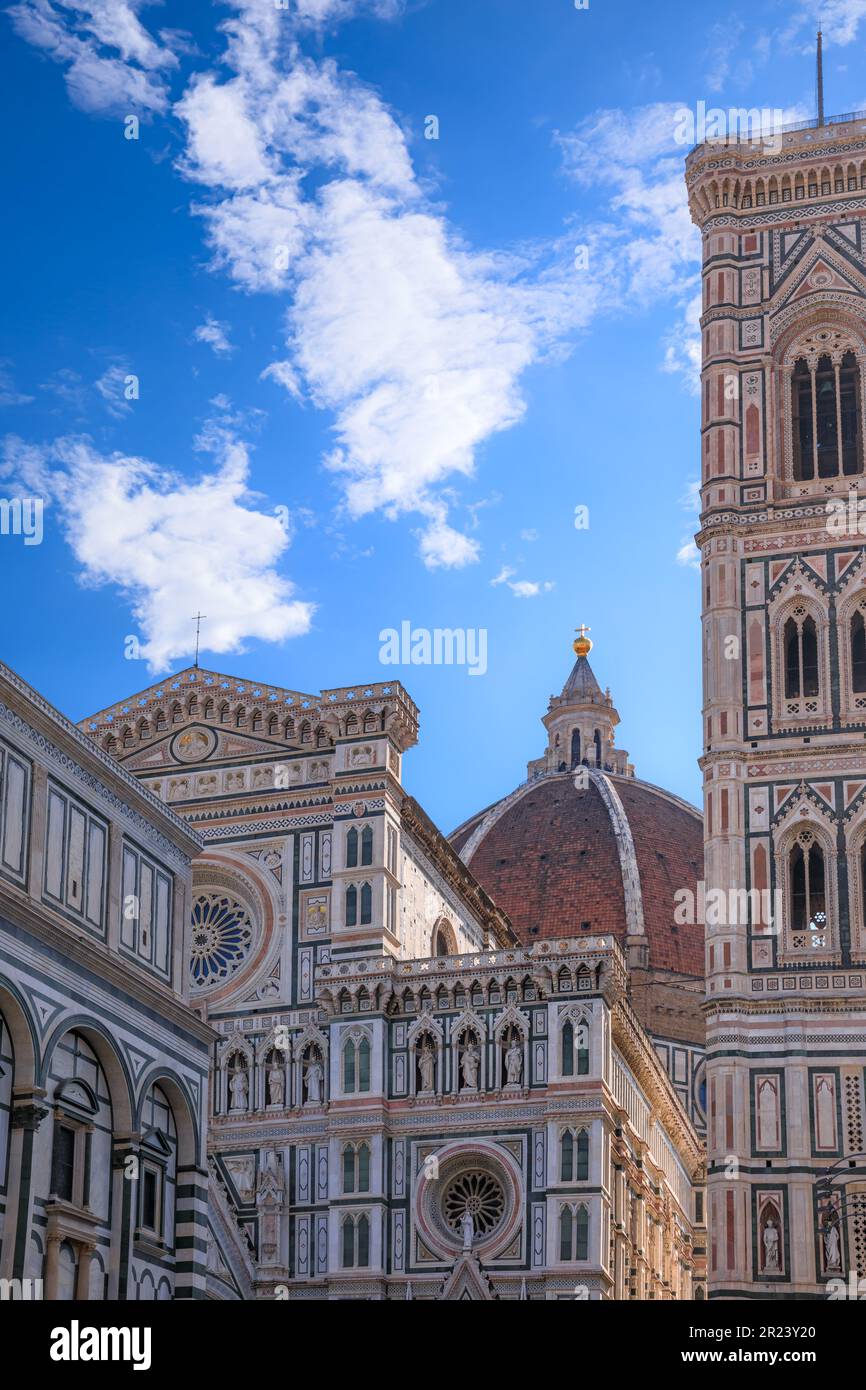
{"x": 481, "y": 1195}
{"x": 222, "y": 936}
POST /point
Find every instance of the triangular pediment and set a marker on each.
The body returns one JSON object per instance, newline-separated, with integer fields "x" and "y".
{"x": 467, "y": 1282}
{"x": 823, "y": 269}
{"x": 193, "y": 745}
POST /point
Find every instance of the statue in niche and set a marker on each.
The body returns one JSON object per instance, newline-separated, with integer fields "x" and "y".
{"x": 470, "y": 1061}
{"x": 771, "y": 1247}
{"x": 313, "y": 1076}
{"x": 276, "y": 1082}
{"x": 514, "y": 1062}
{"x": 467, "y": 1227}
{"x": 832, "y": 1244}
{"x": 427, "y": 1066}
{"x": 238, "y": 1084}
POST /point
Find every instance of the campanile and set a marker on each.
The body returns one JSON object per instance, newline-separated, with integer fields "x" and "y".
{"x": 783, "y": 224}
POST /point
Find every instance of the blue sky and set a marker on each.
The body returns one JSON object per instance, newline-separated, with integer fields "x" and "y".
{"x": 372, "y": 374}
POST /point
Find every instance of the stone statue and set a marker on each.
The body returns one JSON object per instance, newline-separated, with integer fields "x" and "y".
{"x": 467, "y": 1227}
{"x": 315, "y": 1074}
{"x": 427, "y": 1067}
{"x": 239, "y": 1088}
{"x": 514, "y": 1063}
{"x": 469, "y": 1063}
{"x": 771, "y": 1246}
{"x": 832, "y": 1248}
{"x": 277, "y": 1085}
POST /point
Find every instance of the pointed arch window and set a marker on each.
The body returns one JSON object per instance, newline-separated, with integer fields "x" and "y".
{"x": 366, "y": 904}
{"x": 568, "y": 1049}
{"x": 367, "y": 845}
{"x": 581, "y": 1172}
{"x": 356, "y": 1168}
{"x": 352, "y": 849}
{"x": 573, "y": 1233}
{"x": 566, "y": 1234}
{"x": 566, "y": 1157}
{"x": 575, "y": 1049}
{"x": 801, "y": 657}
{"x": 826, "y": 417}
{"x": 808, "y": 891}
{"x": 351, "y": 906}
{"x": 356, "y": 1242}
{"x": 356, "y": 1065}
{"x": 858, "y": 653}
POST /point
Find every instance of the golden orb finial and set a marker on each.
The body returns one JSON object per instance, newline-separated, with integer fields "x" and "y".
{"x": 581, "y": 644}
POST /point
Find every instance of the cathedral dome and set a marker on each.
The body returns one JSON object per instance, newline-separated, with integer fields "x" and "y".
{"x": 585, "y": 847}
{"x": 605, "y": 855}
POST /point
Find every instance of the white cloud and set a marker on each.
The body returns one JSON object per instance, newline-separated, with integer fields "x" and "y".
{"x": 76, "y": 32}
{"x": 683, "y": 346}
{"x": 530, "y": 588}
{"x": 174, "y": 546}
{"x": 522, "y": 588}
{"x": 415, "y": 342}
{"x": 112, "y": 387}
{"x": 9, "y": 393}
{"x": 689, "y": 555}
{"x": 215, "y": 334}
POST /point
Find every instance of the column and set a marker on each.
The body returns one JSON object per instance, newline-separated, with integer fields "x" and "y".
{"x": 28, "y": 1112}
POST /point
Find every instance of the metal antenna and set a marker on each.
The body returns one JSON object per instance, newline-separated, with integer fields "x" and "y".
{"x": 197, "y": 620}
{"x": 820, "y": 75}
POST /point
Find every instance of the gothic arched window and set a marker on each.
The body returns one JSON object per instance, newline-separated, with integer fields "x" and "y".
{"x": 363, "y": 1230}
{"x": 356, "y": 1066}
{"x": 568, "y": 1049}
{"x": 582, "y": 1166}
{"x": 858, "y": 653}
{"x": 348, "y": 1243}
{"x": 849, "y": 412}
{"x": 566, "y": 1157}
{"x": 352, "y": 849}
{"x": 566, "y": 1223}
{"x": 808, "y": 895}
{"x": 801, "y": 657}
{"x": 366, "y": 904}
{"x": 826, "y": 417}
{"x": 356, "y": 1168}
{"x": 351, "y": 906}
{"x": 367, "y": 845}
{"x": 581, "y": 1234}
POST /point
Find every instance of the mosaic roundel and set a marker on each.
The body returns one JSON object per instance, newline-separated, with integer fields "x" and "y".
{"x": 222, "y": 937}
{"x": 193, "y": 745}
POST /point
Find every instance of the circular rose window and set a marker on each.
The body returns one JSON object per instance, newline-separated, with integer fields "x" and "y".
{"x": 479, "y": 1194}
{"x": 222, "y": 935}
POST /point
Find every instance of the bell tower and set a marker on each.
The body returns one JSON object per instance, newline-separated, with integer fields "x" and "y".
{"x": 783, "y": 553}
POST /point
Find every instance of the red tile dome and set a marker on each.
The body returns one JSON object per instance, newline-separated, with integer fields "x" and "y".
{"x": 557, "y": 859}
